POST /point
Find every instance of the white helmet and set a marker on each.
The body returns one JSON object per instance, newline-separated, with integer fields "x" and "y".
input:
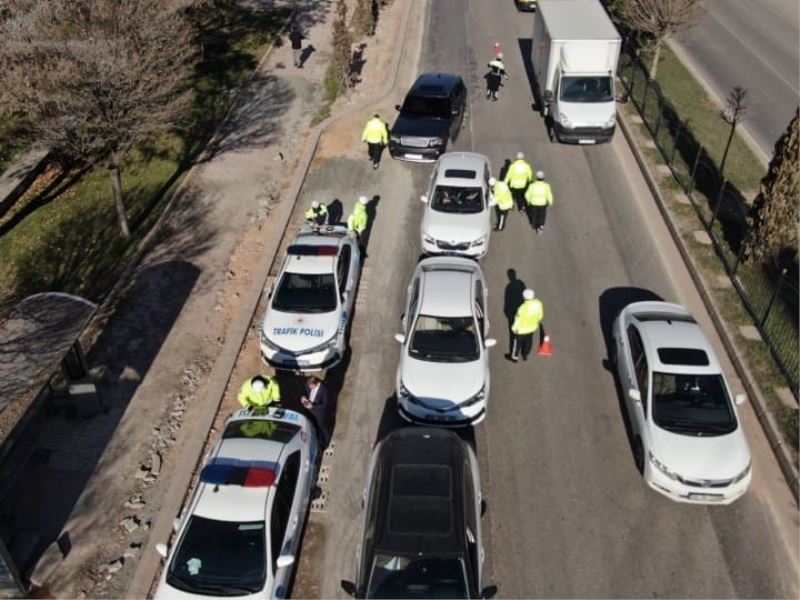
{"x": 539, "y": 174}
{"x": 528, "y": 294}
{"x": 315, "y": 204}
{"x": 258, "y": 385}
{"x": 500, "y": 55}
{"x": 363, "y": 200}
{"x": 520, "y": 156}
{"x": 492, "y": 180}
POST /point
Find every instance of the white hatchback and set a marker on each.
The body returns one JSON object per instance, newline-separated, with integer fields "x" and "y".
{"x": 456, "y": 218}
{"x": 443, "y": 376}
{"x": 240, "y": 532}
{"x": 310, "y": 306}
{"x": 687, "y": 439}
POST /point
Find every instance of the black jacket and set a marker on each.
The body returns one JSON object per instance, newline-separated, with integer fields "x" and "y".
{"x": 296, "y": 38}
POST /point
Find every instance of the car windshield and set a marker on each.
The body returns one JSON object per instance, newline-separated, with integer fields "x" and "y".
{"x": 586, "y": 89}
{"x": 305, "y": 293}
{"x": 457, "y": 199}
{"x": 219, "y": 558}
{"x": 692, "y": 404}
{"x": 445, "y": 339}
{"x": 422, "y": 107}
{"x": 413, "y": 577}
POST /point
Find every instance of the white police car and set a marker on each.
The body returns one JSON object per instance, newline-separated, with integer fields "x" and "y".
{"x": 311, "y": 303}
{"x": 239, "y": 534}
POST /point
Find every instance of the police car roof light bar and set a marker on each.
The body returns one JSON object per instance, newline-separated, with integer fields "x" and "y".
{"x": 312, "y": 250}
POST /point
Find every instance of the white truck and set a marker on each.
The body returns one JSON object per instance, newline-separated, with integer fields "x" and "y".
{"x": 574, "y": 53}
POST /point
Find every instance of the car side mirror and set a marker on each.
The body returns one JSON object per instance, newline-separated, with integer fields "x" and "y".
{"x": 549, "y": 97}
{"x": 349, "y": 588}
{"x": 162, "y": 550}
{"x": 176, "y": 524}
{"x": 285, "y": 560}
{"x": 400, "y": 338}
{"x": 634, "y": 395}
{"x": 423, "y": 199}
{"x": 489, "y": 591}
{"x": 740, "y": 399}
{"x": 397, "y": 107}
{"x": 490, "y": 343}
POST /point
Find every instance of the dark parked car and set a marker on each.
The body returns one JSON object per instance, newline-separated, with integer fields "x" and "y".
{"x": 434, "y": 111}
{"x": 422, "y": 509}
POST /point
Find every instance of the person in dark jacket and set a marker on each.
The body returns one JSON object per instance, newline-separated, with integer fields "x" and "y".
{"x": 316, "y": 401}
{"x": 296, "y": 38}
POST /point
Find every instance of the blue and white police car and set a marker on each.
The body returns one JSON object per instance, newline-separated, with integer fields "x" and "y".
{"x": 239, "y": 535}
{"x": 312, "y": 300}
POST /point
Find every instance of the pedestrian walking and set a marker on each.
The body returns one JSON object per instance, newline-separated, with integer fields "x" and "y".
{"x": 317, "y": 214}
{"x": 376, "y": 135}
{"x": 296, "y": 38}
{"x": 527, "y": 319}
{"x": 259, "y": 392}
{"x": 316, "y": 401}
{"x": 497, "y": 72}
{"x": 518, "y": 177}
{"x": 501, "y": 194}
{"x": 538, "y": 197}
{"x": 358, "y": 220}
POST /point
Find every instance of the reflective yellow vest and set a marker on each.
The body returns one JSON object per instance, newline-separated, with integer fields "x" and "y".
{"x": 519, "y": 174}
{"x": 357, "y": 221}
{"x": 502, "y": 194}
{"x": 529, "y": 314}
{"x": 249, "y": 398}
{"x": 539, "y": 193}
{"x": 375, "y": 132}
{"x": 313, "y": 213}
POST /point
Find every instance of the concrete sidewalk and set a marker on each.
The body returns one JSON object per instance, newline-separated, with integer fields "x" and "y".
{"x": 109, "y": 473}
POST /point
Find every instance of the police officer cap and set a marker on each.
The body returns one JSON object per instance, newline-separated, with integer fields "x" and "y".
{"x": 528, "y": 294}
{"x": 520, "y": 155}
{"x": 492, "y": 180}
{"x": 539, "y": 174}
{"x": 258, "y": 384}
{"x": 315, "y": 204}
{"x": 377, "y": 116}
{"x": 362, "y": 200}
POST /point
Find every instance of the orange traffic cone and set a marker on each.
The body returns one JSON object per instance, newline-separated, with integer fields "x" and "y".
{"x": 496, "y": 48}
{"x": 545, "y": 348}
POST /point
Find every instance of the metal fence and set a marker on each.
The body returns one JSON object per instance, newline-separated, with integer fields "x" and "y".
{"x": 769, "y": 295}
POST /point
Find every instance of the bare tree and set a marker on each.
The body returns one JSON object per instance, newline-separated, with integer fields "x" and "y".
{"x": 338, "y": 74}
{"x": 659, "y": 19}
{"x": 97, "y": 76}
{"x": 364, "y": 16}
{"x": 732, "y": 114}
{"x": 775, "y": 216}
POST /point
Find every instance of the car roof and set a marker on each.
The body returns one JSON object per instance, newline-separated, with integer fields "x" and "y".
{"x": 313, "y": 253}
{"x": 666, "y": 325}
{"x": 237, "y": 453}
{"x": 446, "y": 286}
{"x": 421, "y": 504}
{"x": 434, "y": 85}
{"x": 453, "y": 169}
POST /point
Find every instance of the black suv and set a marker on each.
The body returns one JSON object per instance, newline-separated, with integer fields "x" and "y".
{"x": 434, "y": 111}
{"x": 422, "y": 510}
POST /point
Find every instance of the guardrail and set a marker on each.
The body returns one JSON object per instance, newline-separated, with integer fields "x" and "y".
{"x": 770, "y": 295}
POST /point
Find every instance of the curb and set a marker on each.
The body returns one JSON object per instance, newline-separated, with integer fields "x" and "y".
{"x": 148, "y": 566}
{"x": 765, "y": 418}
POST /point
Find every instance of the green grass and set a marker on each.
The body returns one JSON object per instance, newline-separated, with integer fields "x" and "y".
{"x": 72, "y": 242}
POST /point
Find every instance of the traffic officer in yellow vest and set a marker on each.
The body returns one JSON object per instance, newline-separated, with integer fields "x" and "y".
{"x": 539, "y": 196}
{"x": 527, "y": 319}
{"x": 317, "y": 214}
{"x": 358, "y": 219}
{"x": 377, "y": 136}
{"x": 518, "y": 176}
{"x": 501, "y": 194}
{"x": 259, "y": 392}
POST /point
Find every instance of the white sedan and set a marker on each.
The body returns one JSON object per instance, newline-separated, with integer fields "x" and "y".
{"x": 456, "y": 218}
{"x": 443, "y": 376}
{"x": 309, "y": 309}
{"x": 687, "y": 439}
{"x": 240, "y": 533}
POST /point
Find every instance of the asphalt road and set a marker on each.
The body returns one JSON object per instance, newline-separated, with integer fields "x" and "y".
{"x": 568, "y": 514}
{"x": 755, "y": 45}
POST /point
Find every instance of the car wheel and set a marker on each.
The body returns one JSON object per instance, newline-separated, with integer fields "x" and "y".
{"x": 638, "y": 454}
